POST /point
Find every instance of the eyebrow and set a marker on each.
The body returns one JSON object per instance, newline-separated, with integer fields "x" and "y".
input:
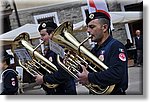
{"x": 91, "y": 26}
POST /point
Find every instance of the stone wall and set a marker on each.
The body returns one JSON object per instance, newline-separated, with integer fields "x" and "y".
{"x": 119, "y": 33}
{"x": 67, "y": 11}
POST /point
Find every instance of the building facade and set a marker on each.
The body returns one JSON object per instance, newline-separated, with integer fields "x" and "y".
{"x": 75, "y": 12}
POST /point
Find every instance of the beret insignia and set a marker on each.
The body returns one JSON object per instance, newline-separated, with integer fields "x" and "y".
{"x": 91, "y": 16}
{"x": 44, "y": 25}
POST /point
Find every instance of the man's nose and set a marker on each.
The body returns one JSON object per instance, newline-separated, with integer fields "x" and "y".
{"x": 88, "y": 30}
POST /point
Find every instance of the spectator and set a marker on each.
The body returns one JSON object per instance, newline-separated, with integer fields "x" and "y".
{"x": 139, "y": 47}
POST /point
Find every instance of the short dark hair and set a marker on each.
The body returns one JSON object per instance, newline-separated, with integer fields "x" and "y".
{"x": 104, "y": 21}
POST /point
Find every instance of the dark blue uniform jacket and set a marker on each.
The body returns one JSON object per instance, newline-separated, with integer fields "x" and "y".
{"x": 113, "y": 54}
{"x": 66, "y": 82}
{"x": 9, "y": 82}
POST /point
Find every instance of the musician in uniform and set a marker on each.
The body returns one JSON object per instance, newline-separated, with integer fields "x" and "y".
{"x": 9, "y": 77}
{"x": 66, "y": 82}
{"x": 110, "y": 51}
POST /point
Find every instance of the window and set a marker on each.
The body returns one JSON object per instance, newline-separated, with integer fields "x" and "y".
{"x": 46, "y": 17}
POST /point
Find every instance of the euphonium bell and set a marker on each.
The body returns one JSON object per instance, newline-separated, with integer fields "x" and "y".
{"x": 33, "y": 60}
{"x": 78, "y": 54}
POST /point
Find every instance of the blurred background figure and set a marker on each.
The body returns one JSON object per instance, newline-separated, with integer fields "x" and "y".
{"x": 128, "y": 44}
{"x": 9, "y": 79}
{"x": 139, "y": 47}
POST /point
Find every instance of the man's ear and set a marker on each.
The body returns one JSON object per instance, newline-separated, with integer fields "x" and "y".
{"x": 105, "y": 28}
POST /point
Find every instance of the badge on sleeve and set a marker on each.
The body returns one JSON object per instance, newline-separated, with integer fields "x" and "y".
{"x": 50, "y": 59}
{"x": 13, "y": 83}
{"x": 101, "y": 57}
{"x": 122, "y": 57}
{"x": 121, "y": 50}
{"x": 102, "y": 52}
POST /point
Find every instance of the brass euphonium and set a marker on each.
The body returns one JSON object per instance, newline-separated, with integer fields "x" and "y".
{"x": 37, "y": 61}
{"x": 78, "y": 54}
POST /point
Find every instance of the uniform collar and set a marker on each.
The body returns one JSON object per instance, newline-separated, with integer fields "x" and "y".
{"x": 105, "y": 42}
{"x": 7, "y": 69}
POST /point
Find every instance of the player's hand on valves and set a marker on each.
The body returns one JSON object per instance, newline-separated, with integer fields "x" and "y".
{"x": 39, "y": 79}
{"x": 83, "y": 77}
